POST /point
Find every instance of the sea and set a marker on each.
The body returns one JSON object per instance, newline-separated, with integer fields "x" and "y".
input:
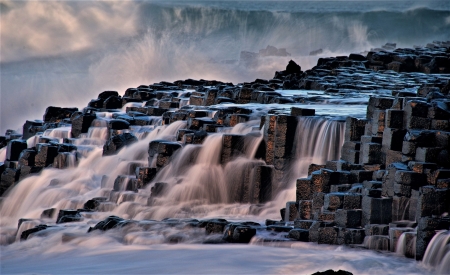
{"x": 64, "y": 53}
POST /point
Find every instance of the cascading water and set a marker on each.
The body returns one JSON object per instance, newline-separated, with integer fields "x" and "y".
{"x": 316, "y": 141}
{"x": 77, "y": 48}
{"x": 55, "y": 188}
{"x": 437, "y": 254}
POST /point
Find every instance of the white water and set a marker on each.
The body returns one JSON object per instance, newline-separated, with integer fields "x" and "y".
{"x": 92, "y": 54}
{"x": 71, "y": 50}
{"x": 199, "y": 188}
{"x": 437, "y": 254}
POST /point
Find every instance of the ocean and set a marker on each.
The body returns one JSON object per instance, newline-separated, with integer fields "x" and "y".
{"x": 64, "y": 53}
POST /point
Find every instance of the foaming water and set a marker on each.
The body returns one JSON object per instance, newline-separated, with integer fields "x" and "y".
{"x": 104, "y": 254}
{"x": 437, "y": 254}
{"x": 177, "y": 40}
{"x": 317, "y": 140}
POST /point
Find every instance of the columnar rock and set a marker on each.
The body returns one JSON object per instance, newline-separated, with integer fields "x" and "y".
{"x": 117, "y": 142}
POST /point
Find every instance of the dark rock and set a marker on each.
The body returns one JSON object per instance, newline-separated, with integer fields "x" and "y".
{"x": 68, "y": 215}
{"x": 8, "y": 178}
{"x": 57, "y": 114}
{"x": 376, "y": 210}
{"x": 30, "y": 128}
{"x": 81, "y": 123}
{"x": 25, "y": 234}
{"x": 27, "y": 157}
{"x": 332, "y": 272}
{"x": 15, "y": 147}
{"x": 46, "y": 155}
{"x": 118, "y": 124}
{"x": 48, "y": 213}
{"x": 158, "y": 189}
{"x": 117, "y": 142}
{"x": 110, "y": 223}
{"x": 293, "y": 68}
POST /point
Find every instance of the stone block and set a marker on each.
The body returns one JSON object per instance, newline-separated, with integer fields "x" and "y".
{"x": 416, "y": 108}
{"x": 303, "y": 224}
{"x": 376, "y": 210}
{"x": 14, "y": 148}
{"x": 402, "y": 190}
{"x": 46, "y": 155}
{"x": 426, "y": 229}
{"x": 304, "y": 209}
{"x": 303, "y": 190}
{"x": 392, "y": 157}
{"x": 389, "y": 178}
{"x": 117, "y": 142}
{"x": 353, "y": 235}
{"x": 394, "y": 235}
{"x": 269, "y": 137}
{"x": 340, "y": 177}
{"x": 27, "y": 157}
{"x": 432, "y": 202}
{"x": 427, "y": 154}
{"x": 354, "y": 128}
{"x": 378, "y": 175}
{"x": 414, "y": 122}
{"x": 321, "y": 180}
{"x": 370, "y": 153}
{"x": 361, "y": 175}
{"x": 372, "y": 184}
{"x": 262, "y": 183}
{"x": 410, "y": 178}
{"x": 340, "y": 188}
{"x": 8, "y": 178}
{"x": 30, "y": 128}
{"x": 394, "y": 119}
{"x": 376, "y": 229}
{"x": 348, "y": 218}
{"x": 400, "y": 208}
{"x": 295, "y": 111}
{"x": 393, "y": 139}
{"x": 328, "y": 235}
{"x": 437, "y": 124}
{"x": 232, "y": 146}
{"x": 378, "y": 121}
{"x": 314, "y": 167}
{"x": 326, "y": 216}
{"x": 380, "y": 103}
{"x": 374, "y": 193}
{"x": 299, "y": 234}
{"x": 409, "y": 148}
{"x": 292, "y": 212}
{"x": 434, "y": 176}
{"x": 318, "y": 200}
{"x": 351, "y": 156}
{"x": 124, "y": 183}
{"x": 196, "y": 100}
{"x": 333, "y": 201}
{"x": 144, "y": 176}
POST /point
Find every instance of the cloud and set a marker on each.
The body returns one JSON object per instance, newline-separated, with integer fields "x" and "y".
{"x": 35, "y": 29}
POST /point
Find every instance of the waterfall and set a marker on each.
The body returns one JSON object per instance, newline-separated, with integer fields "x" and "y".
{"x": 317, "y": 140}
{"x": 437, "y": 254}
{"x": 55, "y": 188}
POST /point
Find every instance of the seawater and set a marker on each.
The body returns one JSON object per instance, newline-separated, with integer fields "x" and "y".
{"x": 80, "y": 51}
{"x": 69, "y": 51}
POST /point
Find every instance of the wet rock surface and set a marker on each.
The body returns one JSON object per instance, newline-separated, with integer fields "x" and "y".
{"x": 393, "y": 172}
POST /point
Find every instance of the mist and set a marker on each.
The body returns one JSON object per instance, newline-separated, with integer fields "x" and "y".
{"x": 66, "y": 52}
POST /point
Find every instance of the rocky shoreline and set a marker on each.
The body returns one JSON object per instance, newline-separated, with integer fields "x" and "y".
{"x": 392, "y": 177}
